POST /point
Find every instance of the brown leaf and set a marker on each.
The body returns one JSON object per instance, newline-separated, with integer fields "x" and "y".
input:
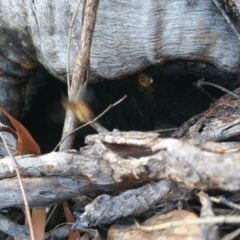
{"x": 70, "y": 218}
{"x": 38, "y": 222}
{"x": 25, "y": 143}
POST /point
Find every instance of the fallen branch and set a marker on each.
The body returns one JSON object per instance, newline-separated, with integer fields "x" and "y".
{"x": 14, "y": 229}
{"x": 105, "y": 209}
{"x": 120, "y": 160}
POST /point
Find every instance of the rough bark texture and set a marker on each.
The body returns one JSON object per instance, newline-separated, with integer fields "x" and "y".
{"x": 14, "y": 229}
{"x": 129, "y": 35}
{"x": 219, "y": 123}
{"x": 133, "y": 202}
{"x": 120, "y": 160}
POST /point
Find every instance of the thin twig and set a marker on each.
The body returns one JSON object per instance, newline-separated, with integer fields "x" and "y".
{"x": 231, "y": 235}
{"x": 50, "y": 215}
{"x": 69, "y": 45}
{"x": 92, "y": 121}
{"x": 221, "y": 10}
{"x": 81, "y": 68}
{"x": 202, "y": 81}
{"x": 226, "y": 202}
{"x": 164, "y": 130}
{"x": 210, "y": 96}
{"x": 207, "y": 220}
{"x": 21, "y": 187}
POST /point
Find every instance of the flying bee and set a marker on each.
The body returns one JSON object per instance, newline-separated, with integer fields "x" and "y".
{"x": 79, "y": 109}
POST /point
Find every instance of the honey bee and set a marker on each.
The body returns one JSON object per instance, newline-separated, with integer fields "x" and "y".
{"x": 79, "y": 109}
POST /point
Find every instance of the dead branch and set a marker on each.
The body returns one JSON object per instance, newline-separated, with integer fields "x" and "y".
{"x": 120, "y": 160}
{"x": 105, "y": 209}
{"x": 69, "y": 44}
{"x": 14, "y": 229}
{"x": 80, "y": 74}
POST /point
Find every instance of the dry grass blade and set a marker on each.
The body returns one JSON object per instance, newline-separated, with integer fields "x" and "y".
{"x": 21, "y": 187}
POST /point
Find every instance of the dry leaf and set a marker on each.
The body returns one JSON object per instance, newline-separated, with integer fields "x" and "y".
{"x": 25, "y": 143}
{"x": 38, "y": 222}
{"x": 70, "y": 218}
{"x": 130, "y": 232}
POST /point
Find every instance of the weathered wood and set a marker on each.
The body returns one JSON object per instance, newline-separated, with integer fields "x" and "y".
{"x": 220, "y": 122}
{"x": 120, "y": 160}
{"x": 208, "y": 231}
{"x": 141, "y": 34}
{"x": 14, "y": 229}
{"x": 105, "y": 209}
{"x": 40, "y": 191}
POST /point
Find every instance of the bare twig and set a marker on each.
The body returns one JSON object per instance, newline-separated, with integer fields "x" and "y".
{"x": 13, "y": 229}
{"x": 80, "y": 74}
{"x": 228, "y": 20}
{"x": 207, "y": 220}
{"x": 231, "y": 235}
{"x": 94, "y": 120}
{"x": 21, "y": 187}
{"x": 210, "y": 96}
{"x": 202, "y": 81}
{"x": 50, "y": 215}
{"x": 226, "y": 202}
{"x": 164, "y": 130}
{"x": 69, "y": 45}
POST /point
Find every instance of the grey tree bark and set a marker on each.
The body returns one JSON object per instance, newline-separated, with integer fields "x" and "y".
{"x": 129, "y": 35}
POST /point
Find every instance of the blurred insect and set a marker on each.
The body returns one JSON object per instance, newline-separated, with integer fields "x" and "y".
{"x": 79, "y": 109}
{"x": 145, "y": 80}
{"x": 28, "y": 64}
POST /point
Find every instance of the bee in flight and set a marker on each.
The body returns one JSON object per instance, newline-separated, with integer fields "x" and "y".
{"x": 79, "y": 109}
